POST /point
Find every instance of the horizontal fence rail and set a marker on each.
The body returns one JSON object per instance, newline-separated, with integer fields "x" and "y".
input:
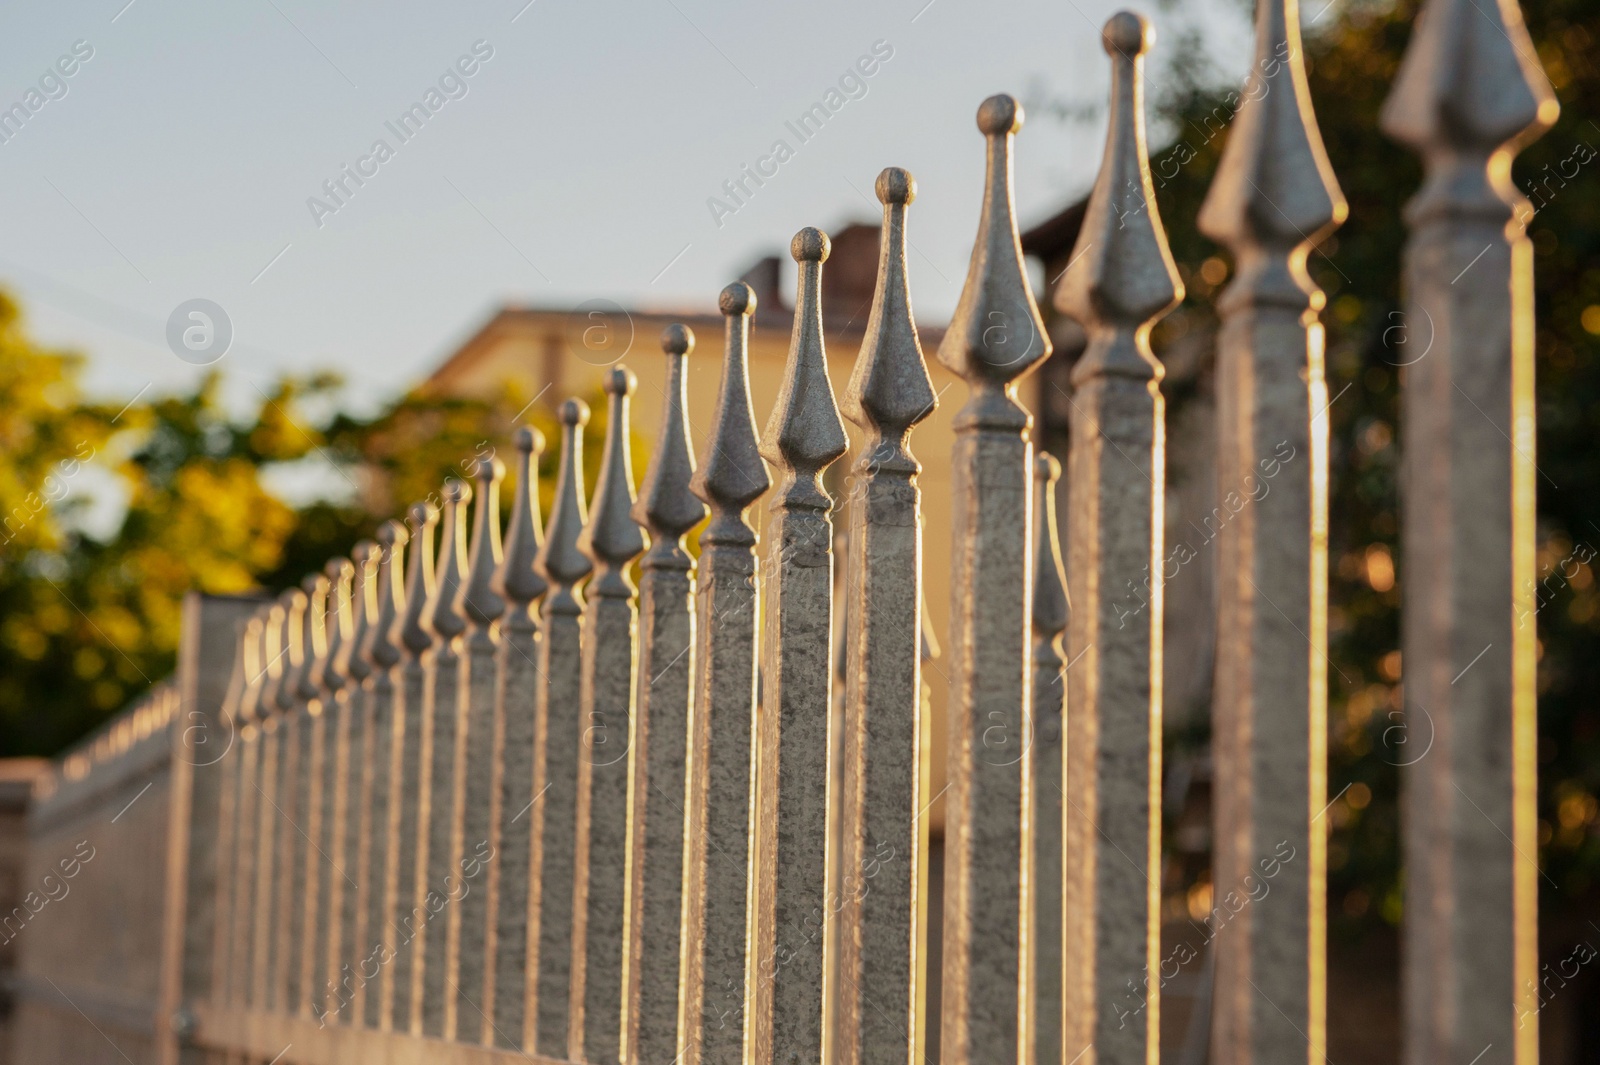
{"x": 582, "y": 792}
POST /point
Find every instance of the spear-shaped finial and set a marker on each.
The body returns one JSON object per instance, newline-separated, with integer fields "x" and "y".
{"x": 479, "y": 601}
{"x": 1049, "y": 577}
{"x": 731, "y": 475}
{"x": 1122, "y": 277}
{"x": 1469, "y": 83}
{"x": 410, "y": 630}
{"x": 442, "y": 616}
{"x": 889, "y": 389}
{"x": 665, "y": 505}
{"x": 1274, "y": 185}
{"x": 804, "y": 433}
{"x": 612, "y": 538}
{"x": 559, "y": 560}
{"x": 313, "y": 641}
{"x": 363, "y": 608}
{"x": 996, "y": 335}
{"x": 337, "y": 618}
{"x": 516, "y": 579}
{"x": 381, "y": 649}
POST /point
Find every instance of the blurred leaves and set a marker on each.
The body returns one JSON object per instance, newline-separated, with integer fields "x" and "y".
{"x": 87, "y": 623}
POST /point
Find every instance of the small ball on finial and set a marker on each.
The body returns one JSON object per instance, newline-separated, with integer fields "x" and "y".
{"x": 810, "y": 245}
{"x": 1045, "y": 467}
{"x": 737, "y": 298}
{"x": 620, "y": 381}
{"x": 422, "y": 514}
{"x": 1000, "y": 113}
{"x": 364, "y": 551}
{"x": 529, "y": 440}
{"x": 895, "y": 186}
{"x": 309, "y": 582}
{"x": 489, "y": 468}
{"x": 677, "y": 339}
{"x": 574, "y": 412}
{"x": 392, "y": 536}
{"x": 337, "y": 568}
{"x": 1127, "y": 33}
{"x": 457, "y": 490}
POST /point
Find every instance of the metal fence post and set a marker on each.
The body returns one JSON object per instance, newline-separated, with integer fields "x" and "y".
{"x": 995, "y": 337}
{"x": 1273, "y": 196}
{"x": 516, "y": 691}
{"x": 720, "y": 764}
{"x": 437, "y": 887}
{"x": 399, "y": 925}
{"x": 362, "y": 975}
{"x": 1050, "y": 612}
{"x": 658, "y": 748}
{"x": 471, "y": 847}
{"x": 557, "y": 748}
{"x": 1122, "y": 280}
{"x": 786, "y": 981}
{"x": 612, "y": 540}
{"x": 1469, "y": 95}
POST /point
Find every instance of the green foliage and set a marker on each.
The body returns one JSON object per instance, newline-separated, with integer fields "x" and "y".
{"x": 86, "y": 624}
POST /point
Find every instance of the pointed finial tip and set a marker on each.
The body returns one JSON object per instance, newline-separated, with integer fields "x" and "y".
{"x": 1000, "y": 114}
{"x": 620, "y": 381}
{"x": 1127, "y": 33}
{"x": 422, "y": 514}
{"x": 677, "y": 339}
{"x": 810, "y": 245}
{"x": 1045, "y": 467}
{"x": 528, "y": 440}
{"x": 574, "y": 412}
{"x": 737, "y": 298}
{"x": 488, "y": 470}
{"x": 895, "y": 186}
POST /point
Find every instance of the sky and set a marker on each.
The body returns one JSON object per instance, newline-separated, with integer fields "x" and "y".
{"x": 570, "y": 151}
